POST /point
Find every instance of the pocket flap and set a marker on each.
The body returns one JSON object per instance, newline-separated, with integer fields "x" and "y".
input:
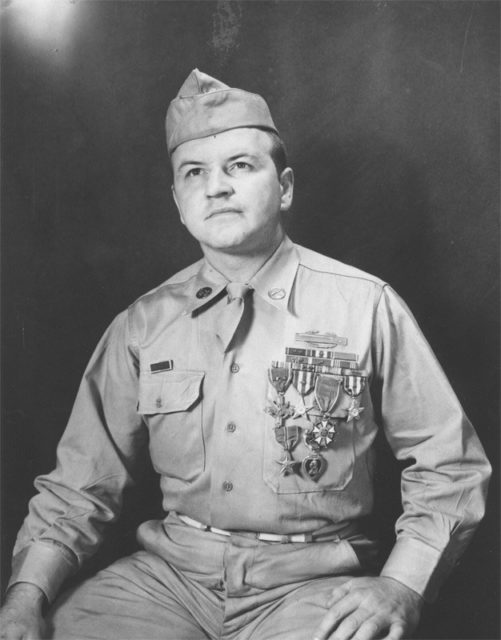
{"x": 170, "y": 391}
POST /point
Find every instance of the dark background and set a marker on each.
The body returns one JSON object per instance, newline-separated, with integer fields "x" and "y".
{"x": 390, "y": 114}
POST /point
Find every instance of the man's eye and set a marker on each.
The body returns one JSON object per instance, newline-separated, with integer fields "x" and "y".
{"x": 241, "y": 166}
{"x": 196, "y": 171}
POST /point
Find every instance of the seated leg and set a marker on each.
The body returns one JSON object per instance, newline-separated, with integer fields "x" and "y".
{"x": 138, "y": 597}
{"x": 297, "y": 615}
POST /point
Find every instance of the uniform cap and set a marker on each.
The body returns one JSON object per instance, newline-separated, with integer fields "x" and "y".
{"x": 205, "y": 106}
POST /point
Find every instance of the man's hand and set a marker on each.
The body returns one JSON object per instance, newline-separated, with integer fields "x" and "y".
{"x": 370, "y": 608}
{"x": 21, "y": 615}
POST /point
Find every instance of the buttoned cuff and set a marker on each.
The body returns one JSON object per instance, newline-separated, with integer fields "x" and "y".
{"x": 44, "y": 564}
{"x": 418, "y": 566}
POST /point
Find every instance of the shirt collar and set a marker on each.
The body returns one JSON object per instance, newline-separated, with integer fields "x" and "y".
{"x": 207, "y": 285}
{"x": 273, "y": 282}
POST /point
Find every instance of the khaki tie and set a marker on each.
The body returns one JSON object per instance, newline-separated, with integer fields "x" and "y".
{"x": 233, "y": 310}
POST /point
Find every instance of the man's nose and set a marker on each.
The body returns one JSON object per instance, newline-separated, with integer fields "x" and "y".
{"x": 218, "y": 184}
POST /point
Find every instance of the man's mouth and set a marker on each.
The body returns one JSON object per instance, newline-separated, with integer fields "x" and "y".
{"x": 221, "y": 210}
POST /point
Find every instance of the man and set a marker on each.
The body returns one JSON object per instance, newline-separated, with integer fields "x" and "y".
{"x": 254, "y": 376}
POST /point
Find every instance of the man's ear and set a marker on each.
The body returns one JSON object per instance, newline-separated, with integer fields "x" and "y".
{"x": 176, "y": 202}
{"x": 286, "y": 179}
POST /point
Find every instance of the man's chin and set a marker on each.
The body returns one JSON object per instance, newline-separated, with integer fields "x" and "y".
{"x": 240, "y": 243}
{"x": 230, "y": 243}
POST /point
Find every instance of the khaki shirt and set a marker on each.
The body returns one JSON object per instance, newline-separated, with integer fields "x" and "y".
{"x": 160, "y": 375}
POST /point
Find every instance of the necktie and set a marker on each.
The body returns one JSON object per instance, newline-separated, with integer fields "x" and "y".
{"x": 232, "y": 313}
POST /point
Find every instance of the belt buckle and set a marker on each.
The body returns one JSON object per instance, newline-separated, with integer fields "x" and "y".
{"x": 284, "y": 538}
{"x": 301, "y": 537}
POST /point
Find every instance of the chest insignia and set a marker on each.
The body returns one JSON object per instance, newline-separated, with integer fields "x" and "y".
{"x": 317, "y": 339}
{"x": 165, "y": 365}
{"x": 329, "y": 376}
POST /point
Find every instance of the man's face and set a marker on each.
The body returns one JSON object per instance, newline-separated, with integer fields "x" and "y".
{"x": 228, "y": 193}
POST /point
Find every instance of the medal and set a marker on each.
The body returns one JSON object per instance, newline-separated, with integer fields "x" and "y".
{"x": 288, "y": 465}
{"x": 287, "y": 437}
{"x": 280, "y": 410}
{"x": 313, "y": 466}
{"x": 354, "y": 410}
{"x": 354, "y": 386}
{"x": 323, "y": 432}
{"x": 280, "y": 375}
{"x": 327, "y": 388}
{"x": 303, "y": 379}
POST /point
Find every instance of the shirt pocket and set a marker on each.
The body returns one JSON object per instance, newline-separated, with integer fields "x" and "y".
{"x": 339, "y": 455}
{"x": 171, "y": 405}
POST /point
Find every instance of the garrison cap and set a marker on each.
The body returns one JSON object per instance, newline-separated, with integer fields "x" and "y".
{"x": 205, "y": 106}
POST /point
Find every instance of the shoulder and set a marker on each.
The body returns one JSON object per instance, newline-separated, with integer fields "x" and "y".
{"x": 163, "y": 304}
{"x": 174, "y": 286}
{"x": 314, "y": 261}
{"x": 345, "y": 276}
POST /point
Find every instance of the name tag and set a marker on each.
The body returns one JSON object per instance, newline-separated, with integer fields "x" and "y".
{"x": 165, "y": 365}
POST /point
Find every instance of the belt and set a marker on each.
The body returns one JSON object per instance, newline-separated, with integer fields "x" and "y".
{"x": 326, "y": 533}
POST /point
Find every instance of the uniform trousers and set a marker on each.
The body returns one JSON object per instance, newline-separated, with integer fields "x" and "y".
{"x": 188, "y": 584}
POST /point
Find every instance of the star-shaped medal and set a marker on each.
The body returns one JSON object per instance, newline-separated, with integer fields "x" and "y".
{"x": 302, "y": 411}
{"x": 323, "y": 431}
{"x": 288, "y": 466}
{"x": 354, "y": 411}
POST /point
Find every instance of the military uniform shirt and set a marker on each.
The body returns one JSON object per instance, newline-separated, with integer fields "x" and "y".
{"x": 160, "y": 378}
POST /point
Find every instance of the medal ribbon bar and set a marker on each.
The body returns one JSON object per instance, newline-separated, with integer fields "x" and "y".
{"x": 320, "y": 353}
{"x": 329, "y": 362}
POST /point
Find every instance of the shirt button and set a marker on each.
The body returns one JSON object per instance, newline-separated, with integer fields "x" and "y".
{"x": 227, "y": 486}
{"x": 204, "y": 292}
{"x": 158, "y": 402}
{"x": 234, "y": 368}
{"x": 276, "y": 294}
{"x": 231, "y": 426}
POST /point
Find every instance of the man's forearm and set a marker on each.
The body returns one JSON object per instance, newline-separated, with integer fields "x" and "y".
{"x": 25, "y": 594}
{"x": 21, "y": 615}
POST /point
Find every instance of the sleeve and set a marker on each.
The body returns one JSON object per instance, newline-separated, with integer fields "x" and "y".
{"x": 96, "y": 459}
{"x": 444, "y": 486}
